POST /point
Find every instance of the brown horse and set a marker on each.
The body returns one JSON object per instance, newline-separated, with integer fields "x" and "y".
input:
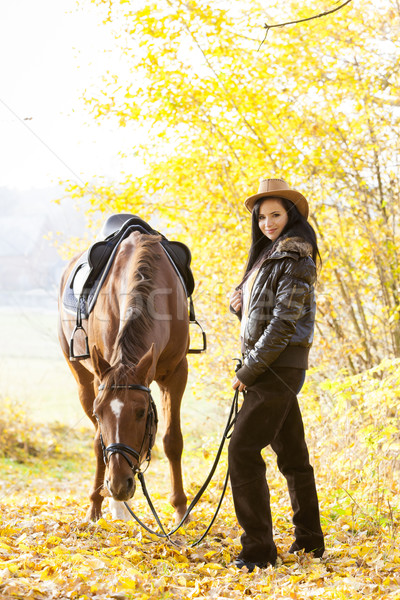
{"x": 138, "y": 331}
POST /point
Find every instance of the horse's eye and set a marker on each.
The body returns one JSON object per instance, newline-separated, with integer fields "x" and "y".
{"x": 140, "y": 413}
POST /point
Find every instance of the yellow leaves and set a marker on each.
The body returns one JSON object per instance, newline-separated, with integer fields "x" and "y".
{"x": 5, "y": 546}
{"x": 209, "y": 567}
{"x": 131, "y": 579}
{"x": 185, "y": 579}
{"x": 133, "y": 555}
{"x": 111, "y": 560}
{"x": 179, "y": 557}
{"x": 52, "y": 541}
{"x": 126, "y": 583}
{"x": 105, "y": 525}
{"x": 47, "y": 573}
{"x": 13, "y": 568}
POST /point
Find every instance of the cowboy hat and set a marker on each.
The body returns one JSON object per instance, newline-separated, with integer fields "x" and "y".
{"x": 277, "y": 188}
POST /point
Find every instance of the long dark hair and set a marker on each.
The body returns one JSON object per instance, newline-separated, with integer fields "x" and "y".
{"x": 297, "y": 226}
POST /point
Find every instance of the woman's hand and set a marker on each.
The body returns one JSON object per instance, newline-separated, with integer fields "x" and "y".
{"x": 236, "y": 300}
{"x": 236, "y": 383}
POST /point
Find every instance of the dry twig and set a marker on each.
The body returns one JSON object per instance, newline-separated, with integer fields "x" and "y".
{"x": 328, "y": 12}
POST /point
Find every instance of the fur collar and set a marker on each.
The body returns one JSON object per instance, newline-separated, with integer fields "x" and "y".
{"x": 294, "y": 244}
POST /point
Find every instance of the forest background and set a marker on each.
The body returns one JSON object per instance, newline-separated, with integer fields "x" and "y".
{"x": 216, "y": 110}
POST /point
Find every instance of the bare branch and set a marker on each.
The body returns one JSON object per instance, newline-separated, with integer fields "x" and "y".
{"x": 328, "y": 12}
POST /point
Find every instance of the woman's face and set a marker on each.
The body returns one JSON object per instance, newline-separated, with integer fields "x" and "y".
{"x": 272, "y": 218}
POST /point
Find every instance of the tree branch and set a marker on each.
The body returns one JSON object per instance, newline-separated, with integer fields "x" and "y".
{"x": 328, "y": 12}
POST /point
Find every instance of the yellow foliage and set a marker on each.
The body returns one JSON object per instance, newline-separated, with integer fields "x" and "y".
{"x": 19, "y": 438}
{"x": 315, "y": 105}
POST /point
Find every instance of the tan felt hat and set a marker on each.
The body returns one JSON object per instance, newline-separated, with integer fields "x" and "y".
{"x": 278, "y": 188}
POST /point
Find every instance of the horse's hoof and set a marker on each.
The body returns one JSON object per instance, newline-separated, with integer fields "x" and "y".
{"x": 92, "y": 515}
{"x": 179, "y": 516}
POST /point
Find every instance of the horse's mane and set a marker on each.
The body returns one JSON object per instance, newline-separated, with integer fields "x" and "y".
{"x": 130, "y": 344}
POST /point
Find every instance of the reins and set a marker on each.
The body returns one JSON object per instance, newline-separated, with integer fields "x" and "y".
{"x": 127, "y": 451}
{"x": 226, "y": 435}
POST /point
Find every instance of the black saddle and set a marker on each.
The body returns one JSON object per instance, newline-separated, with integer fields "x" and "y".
{"x": 85, "y": 281}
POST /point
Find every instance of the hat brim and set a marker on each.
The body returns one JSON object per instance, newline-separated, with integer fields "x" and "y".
{"x": 292, "y": 195}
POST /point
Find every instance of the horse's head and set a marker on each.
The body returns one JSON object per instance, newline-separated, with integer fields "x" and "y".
{"x": 127, "y": 421}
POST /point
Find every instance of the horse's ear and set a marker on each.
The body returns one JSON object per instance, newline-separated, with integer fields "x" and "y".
{"x": 100, "y": 365}
{"x": 144, "y": 365}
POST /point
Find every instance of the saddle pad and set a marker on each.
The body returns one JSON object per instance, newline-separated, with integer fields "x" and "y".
{"x": 73, "y": 293}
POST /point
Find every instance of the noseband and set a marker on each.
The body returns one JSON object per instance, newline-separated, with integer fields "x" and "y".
{"x": 123, "y": 449}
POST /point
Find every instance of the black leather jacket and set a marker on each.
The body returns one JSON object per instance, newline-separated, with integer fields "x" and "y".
{"x": 280, "y": 322}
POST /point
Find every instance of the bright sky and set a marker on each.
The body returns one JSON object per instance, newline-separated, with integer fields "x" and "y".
{"x": 51, "y": 51}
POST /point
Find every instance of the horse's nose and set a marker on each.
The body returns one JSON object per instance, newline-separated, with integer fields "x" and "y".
{"x": 130, "y": 482}
{"x": 123, "y": 489}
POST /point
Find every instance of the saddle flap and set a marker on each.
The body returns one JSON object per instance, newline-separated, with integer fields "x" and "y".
{"x": 182, "y": 257}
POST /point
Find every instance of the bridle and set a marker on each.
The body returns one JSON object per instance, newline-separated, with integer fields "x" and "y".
{"x": 123, "y": 449}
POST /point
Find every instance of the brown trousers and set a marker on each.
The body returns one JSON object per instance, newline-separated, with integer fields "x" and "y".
{"x": 270, "y": 415}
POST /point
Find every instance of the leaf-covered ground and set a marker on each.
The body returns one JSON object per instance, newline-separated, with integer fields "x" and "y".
{"x": 47, "y": 550}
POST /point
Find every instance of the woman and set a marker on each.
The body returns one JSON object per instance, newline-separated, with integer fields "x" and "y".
{"x": 276, "y": 305}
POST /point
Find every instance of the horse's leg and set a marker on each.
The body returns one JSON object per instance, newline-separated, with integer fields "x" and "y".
{"x": 86, "y": 392}
{"x": 96, "y": 498}
{"x": 172, "y": 389}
